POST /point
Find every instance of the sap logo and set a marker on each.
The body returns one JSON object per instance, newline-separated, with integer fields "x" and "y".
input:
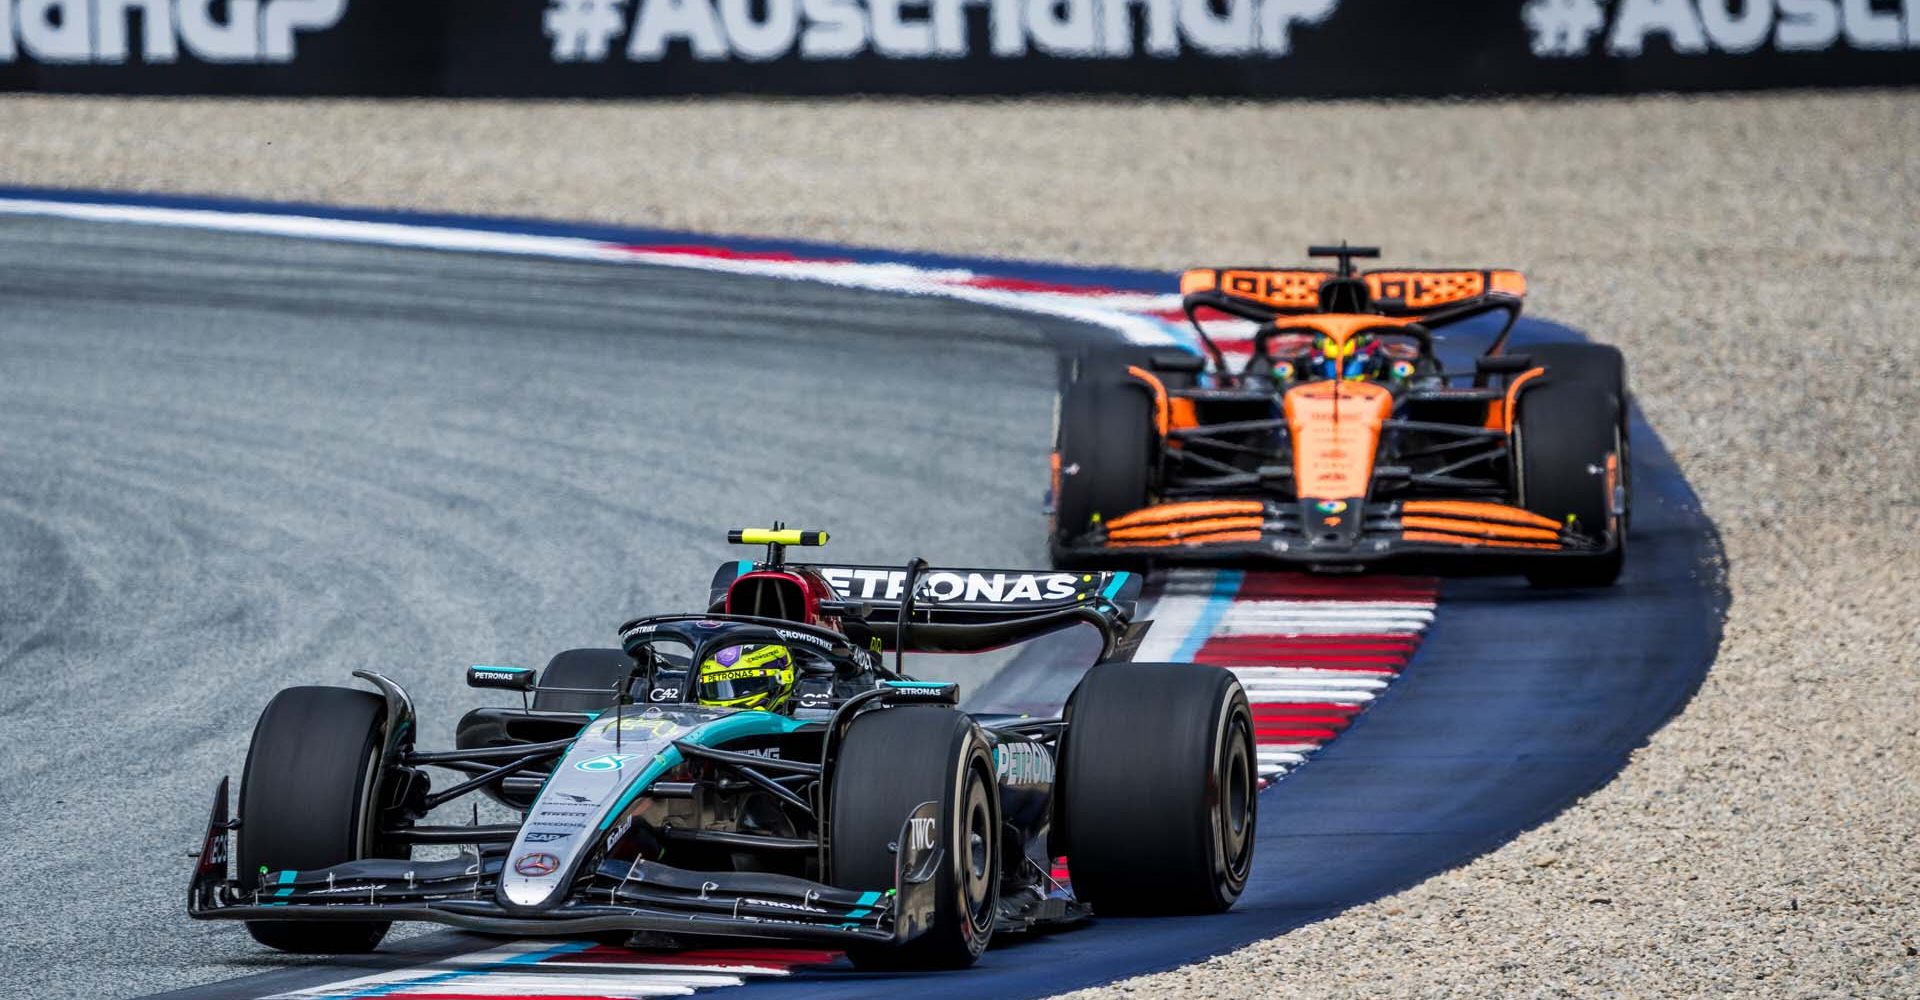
{"x": 100, "y": 31}
{"x": 1694, "y": 27}
{"x": 588, "y": 30}
{"x": 861, "y": 583}
{"x": 920, "y": 833}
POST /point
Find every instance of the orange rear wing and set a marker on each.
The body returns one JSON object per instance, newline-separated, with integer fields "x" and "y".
{"x": 1414, "y": 292}
{"x": 1277, "y": 292}
{"x": 1263, "y": 293}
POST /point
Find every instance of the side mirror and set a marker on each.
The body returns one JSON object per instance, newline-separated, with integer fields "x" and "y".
{"x": 503, "y": 678}
{"x": 1178, "y": 361}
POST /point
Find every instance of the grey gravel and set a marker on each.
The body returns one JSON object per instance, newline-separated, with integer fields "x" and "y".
{"x": 1755, "y": 256}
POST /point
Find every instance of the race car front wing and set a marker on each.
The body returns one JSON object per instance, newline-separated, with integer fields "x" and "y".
{"x": 1333, "y": 533}
{"x": 616, "y": 895}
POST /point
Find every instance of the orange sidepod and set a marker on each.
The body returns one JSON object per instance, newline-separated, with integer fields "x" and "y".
{"x": 1336, "y": 430}
{"x": 1162, "y": 415}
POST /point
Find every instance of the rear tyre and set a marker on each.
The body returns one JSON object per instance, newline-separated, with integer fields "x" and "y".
{"x": 1165, "y": 825}
{"x": 891, "y": 761}
{"x": 603, "y": 669}
{"x": 1564, "y": 435}
{"x": 1104, "y": 446}
{"x": 309, "y": 799}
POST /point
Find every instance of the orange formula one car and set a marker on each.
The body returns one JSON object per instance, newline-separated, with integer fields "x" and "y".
{"x": 1340, "y": 442}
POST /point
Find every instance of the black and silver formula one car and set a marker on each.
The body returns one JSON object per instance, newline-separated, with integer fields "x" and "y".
{"x": 852, "y": 805}
{"x": 1340, "y": 443}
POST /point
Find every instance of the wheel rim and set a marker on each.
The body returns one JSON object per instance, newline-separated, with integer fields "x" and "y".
{"x": 1234, "y": 802}
{"x": 974, "y": 853}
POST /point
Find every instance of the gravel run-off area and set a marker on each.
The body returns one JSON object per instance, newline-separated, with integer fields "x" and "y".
{"x": 1755, "y": 256}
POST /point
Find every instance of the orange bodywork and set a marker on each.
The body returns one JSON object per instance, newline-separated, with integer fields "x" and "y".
{"x": 1613, "y": 485}
{"x": 1180, "y": 530}
{"x": 1480, "y": 510}
{"x": 1500, "y": 412}
{"x": 1189, "y": 511}
{"x": 1162, "y": 413}
{"x": 1053, "y": 475}
{"x": 1452, "y": 539}
{"x": 1433, "y": 289}
{"x": 1477, "y": 529}
{"x": 1336, "y": 430}
{"x": 1509, "y": 283}
{"x": 1341, "y": 327}
{"x": 1220, "y": 538}
{"x": 1188, "y": 523}
{"x": 1183, "y": 412}
{"x": 1279, "y": 289}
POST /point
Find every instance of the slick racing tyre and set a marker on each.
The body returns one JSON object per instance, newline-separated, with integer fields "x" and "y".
{"x": 1104, "y": 444}
{"x": 1564, "y": 436}
{"x": 1158, "y": 824}
{"x": 1604, "y": 366}
{"x": 891, "y": 761}
{"x": 601, "y": 669}
{"x": 309, "y": 799}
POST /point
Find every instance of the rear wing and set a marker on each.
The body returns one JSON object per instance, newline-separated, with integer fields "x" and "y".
{"x": 1263, "y": 293}
{"x": 1423, "y": 297}
{"x": 967, "y": 610}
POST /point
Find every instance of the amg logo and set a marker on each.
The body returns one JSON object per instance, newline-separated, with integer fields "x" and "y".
{"x": 860, "y": 583}
{"x": 102, "y": 31}
{"x": 920, "y": 833}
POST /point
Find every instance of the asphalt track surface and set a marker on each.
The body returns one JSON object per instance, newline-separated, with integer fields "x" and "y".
{"x": 236, "y": 463}
{"x": 233, "y": 464}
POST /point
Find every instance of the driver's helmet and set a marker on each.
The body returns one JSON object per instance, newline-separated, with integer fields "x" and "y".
{"x": 1359, "y": 358}
{"x": 752, "y": 675}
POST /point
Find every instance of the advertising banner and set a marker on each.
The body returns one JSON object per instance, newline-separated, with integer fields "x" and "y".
{"x": 1252, "y": 48}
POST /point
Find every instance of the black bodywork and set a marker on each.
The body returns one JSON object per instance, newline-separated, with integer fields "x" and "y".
{"x": 729, "y": 830}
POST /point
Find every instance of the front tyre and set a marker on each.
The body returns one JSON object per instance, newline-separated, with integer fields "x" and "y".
{"x": 1569, "y": 451}
{"x": 1103, "y": 455}
{"x": 1157, "y": 790}
{"x": 891, "y": 761}
{"x": 1602, "y": 365}
{"x": 309, "y": 799}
